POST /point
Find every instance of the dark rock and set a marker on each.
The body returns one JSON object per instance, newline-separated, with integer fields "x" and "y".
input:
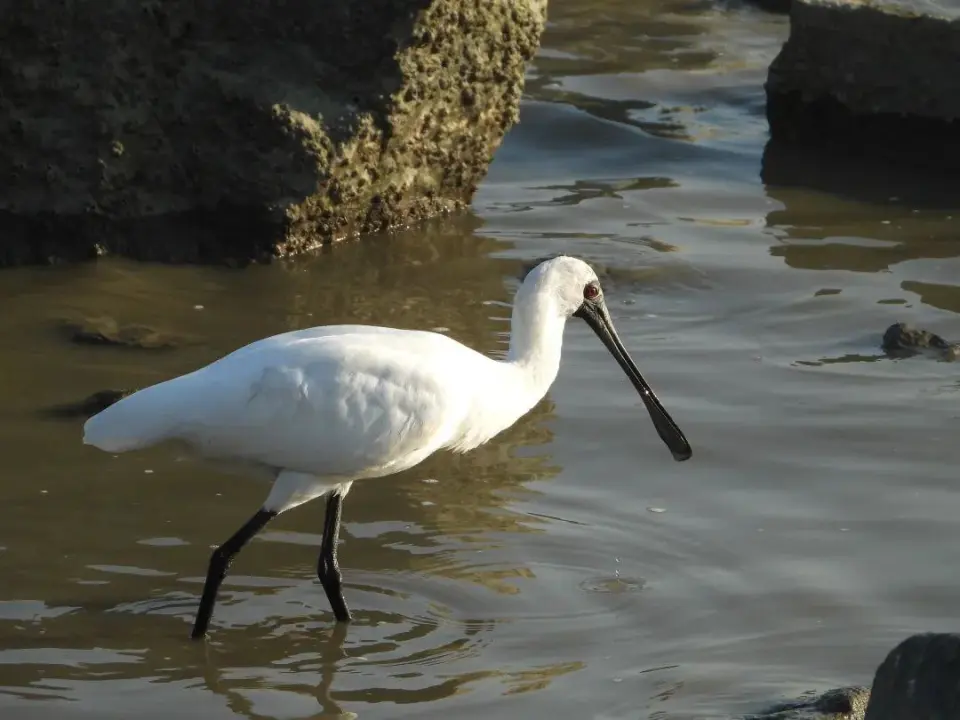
{"x": 106, "y": 331}
{"x": 876, "y": 79}
{"x": 848, "y": 703}
{"x": 247, "y": 130}
{"x": 87, "y": 407}
{"x": 918, "y": 680}
{"x": 902, "y": 340}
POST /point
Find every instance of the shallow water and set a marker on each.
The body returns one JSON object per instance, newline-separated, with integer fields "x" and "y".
{"x": 570, "y": 567}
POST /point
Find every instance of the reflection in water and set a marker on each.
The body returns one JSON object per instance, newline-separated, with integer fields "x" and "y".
{"x": 938, "y": 295}
{"x": 894, "y": 238}
{"x": 585, "y": 190}
{"x": 606, "y": 37}
{"x": 313, "y": 673}
{"x": 847, "y": 358}
{"x": 864, "y": 180}
{"x": 657, "y": 66}
{"x": 862, "y": 217}
{"x": 624, "y": 112}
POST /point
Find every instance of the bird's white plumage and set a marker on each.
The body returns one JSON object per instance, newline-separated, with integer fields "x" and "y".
{"x": 325, "y": 406}
{"x": 318, "y": 409}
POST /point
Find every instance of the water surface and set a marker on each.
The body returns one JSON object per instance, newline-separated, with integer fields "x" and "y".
{"x": 570, "y": 568}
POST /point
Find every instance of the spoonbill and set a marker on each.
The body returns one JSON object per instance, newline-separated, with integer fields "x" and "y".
{"x": 317, "y": 409}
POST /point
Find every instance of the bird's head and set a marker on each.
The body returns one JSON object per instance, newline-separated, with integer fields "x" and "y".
{"x": 576, "y": 292}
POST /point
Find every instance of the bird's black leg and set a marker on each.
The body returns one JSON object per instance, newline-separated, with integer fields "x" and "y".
{"x": 328, "y": 569}
{"x": 220, "y": 563}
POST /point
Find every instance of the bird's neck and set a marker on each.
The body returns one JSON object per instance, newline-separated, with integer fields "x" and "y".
{"x": 536, "y": 338}
{"x": 501, "y": 398}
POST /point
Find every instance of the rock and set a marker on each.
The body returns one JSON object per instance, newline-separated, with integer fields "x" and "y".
{"x": 106, "y": 331}
{"x": 918, "y": 680}
{"x": 247, "y": 130}
{"x": 89, "y": 406}
{"x": 902, "y": 340}
{"x": 878, "y": 78}
{"x": 848, "y": 703}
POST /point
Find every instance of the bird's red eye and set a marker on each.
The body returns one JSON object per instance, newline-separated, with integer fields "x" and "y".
{"x": 591, "y": 291}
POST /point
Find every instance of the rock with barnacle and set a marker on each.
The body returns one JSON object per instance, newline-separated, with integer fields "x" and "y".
{"x": 847, "y": 703}
{"x": 903, "y": 340}
{"x": 245, "y": 130}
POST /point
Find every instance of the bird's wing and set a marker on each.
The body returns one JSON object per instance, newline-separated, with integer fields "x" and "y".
{"x": 346, "y": 404}
{"x": 293, "y": 337}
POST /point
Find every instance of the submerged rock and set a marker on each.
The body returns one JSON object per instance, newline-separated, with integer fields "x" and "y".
{"x": 875, "y": 78}
{"x": 903, "y": 340}
{"x": 918, "y": 680}
{"x": 87, "y": 407}
{"x": 247, "y": 130}
{"x": 848, "y": 703}
{"x": 106, "y": 331}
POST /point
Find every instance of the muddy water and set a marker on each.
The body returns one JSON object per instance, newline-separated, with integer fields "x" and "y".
{"x": 569, "y": 568}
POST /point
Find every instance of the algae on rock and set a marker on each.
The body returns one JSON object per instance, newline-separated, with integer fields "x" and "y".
{"x": 244, "y": 130}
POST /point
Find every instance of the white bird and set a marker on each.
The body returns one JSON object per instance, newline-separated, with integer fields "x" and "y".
{"x": 319, "y": 408}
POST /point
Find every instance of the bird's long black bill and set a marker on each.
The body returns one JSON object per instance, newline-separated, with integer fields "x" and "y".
{"x": 597, "y": 317}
